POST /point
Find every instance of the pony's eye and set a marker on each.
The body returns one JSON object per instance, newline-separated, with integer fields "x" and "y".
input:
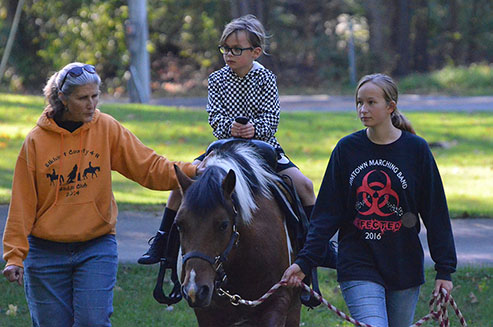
{"x": 179, "y": 227}
{"x": 223, "y": 226}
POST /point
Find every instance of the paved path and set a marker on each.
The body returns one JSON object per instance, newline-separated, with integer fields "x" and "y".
{"x": 473, "y": 237}
{"x": 407, "y": 102}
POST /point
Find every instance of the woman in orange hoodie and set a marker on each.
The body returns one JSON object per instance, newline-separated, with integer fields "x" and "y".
{"x": 60, "y": 233}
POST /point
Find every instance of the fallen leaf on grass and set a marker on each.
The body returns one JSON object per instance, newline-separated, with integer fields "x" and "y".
{"x": 473, "y": 298}
{"x": 12, "y": 311}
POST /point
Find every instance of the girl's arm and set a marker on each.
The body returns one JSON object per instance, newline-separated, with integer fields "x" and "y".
{"x": 432, "y": 207}
{"x": 326, "y": 218}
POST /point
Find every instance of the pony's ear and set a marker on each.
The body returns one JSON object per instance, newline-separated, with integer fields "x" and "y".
{"x": 229, "y": 183}
{"x": 183, "y": 180}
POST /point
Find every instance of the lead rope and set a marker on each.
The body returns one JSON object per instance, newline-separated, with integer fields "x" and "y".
{"x": 439, "y": 315}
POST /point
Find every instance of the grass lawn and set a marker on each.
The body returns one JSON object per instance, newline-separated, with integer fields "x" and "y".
{"x": 466, "y": 163}
{"x": 135, "y": 307}
{"x": 466, "y": 166}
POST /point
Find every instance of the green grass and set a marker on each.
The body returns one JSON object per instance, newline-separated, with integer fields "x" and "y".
{"x": 134, "y": 305}
{"x": 307, "y": 137}
{"x": 476, "y": 79}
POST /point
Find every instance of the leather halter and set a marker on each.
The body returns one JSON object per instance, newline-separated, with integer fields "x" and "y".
{"x": 217, "y": 261}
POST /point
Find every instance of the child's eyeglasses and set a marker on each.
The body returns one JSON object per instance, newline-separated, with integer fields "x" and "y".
{"x": 235, "y": 51}
{"x": 77, "y": 71}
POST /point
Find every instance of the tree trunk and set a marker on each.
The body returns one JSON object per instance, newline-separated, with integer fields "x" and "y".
{"x": 244, "y": 7}
{"x": 452, "y": 30}
{"x": 379, "y": 34}
{"x": 471, "y": 35}
{"x": 402, "y": 39}
{"x": 420, "y": 55}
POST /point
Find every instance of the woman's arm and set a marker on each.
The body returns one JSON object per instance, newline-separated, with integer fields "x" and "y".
{"x": 134, "y": 160}
{"x": 22, "y": 211}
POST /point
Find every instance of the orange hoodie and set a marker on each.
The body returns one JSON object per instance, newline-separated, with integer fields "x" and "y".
{"x": 61, "y": 190}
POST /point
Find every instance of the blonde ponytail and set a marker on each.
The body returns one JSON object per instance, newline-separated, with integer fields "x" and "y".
{"x": 401, "y": 122}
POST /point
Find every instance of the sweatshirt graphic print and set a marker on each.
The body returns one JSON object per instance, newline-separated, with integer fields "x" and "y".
{"x": 377, "y": 204}
{"x": 74, "y": 180}
{"x": 373, "y": 195}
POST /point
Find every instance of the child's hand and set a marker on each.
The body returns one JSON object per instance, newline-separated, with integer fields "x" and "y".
{"x": 245, "y": 131}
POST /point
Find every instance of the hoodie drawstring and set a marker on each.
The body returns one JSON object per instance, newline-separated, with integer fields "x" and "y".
{"x": 80, "y": 156}
{"x": 58, "y": 184}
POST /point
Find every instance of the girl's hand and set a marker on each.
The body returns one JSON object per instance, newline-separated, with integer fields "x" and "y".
{"x": 441, "y": 283}
{"x": 14, "y": 274}
{"x": 293, "y": 276}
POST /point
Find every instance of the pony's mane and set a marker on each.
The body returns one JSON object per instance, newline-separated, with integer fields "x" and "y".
{"x": 253, "y": 177}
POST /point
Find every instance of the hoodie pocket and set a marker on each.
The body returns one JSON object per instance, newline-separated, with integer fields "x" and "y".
{"x": 75, "y": 222}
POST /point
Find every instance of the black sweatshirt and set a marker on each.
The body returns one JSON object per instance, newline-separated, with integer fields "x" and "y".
{"x": 373, "y": 194}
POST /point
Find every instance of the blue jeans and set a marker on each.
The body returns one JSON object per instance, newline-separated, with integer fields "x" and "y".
{"x": 71, "y": 284}
{"x": 372, "y": 304}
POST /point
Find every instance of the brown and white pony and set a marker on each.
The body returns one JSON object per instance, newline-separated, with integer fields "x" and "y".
{"x": 233, "y": 197}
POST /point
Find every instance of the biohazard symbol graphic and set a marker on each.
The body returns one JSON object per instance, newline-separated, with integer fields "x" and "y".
{"x": 376, "y": 195}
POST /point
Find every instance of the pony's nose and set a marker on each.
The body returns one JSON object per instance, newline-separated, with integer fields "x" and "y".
{"x": 197, "y": 298}
{"x": 203, "y": 294}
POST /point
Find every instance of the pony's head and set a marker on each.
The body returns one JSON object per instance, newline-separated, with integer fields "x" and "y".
{"x": 213, "y": 206}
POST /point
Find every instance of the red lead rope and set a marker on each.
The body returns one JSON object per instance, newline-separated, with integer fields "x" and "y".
{"x": 440, "y": 315}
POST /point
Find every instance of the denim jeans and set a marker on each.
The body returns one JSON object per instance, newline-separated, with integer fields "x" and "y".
{"x": 71, "y": 284}
{"x": 372, "y": 304}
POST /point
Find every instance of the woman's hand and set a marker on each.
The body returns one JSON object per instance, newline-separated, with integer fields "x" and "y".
{"x": 202, "y": 165}
{"x": 293, "y": 276}
{"x": 245, "y": 131}
{"x": 14, "y": 274}
{"x": 441, "y": 283}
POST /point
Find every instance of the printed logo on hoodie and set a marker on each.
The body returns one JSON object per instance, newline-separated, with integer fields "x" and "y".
{"x": 74, "y": 179}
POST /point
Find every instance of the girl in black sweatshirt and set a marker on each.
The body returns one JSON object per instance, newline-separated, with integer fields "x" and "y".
{"x": 378, "y": 183}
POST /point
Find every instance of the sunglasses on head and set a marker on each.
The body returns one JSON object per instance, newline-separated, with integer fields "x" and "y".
{"x": 77, "y": 71}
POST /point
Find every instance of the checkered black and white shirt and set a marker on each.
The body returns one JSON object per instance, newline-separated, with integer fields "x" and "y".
{"x": 254, "y": 96}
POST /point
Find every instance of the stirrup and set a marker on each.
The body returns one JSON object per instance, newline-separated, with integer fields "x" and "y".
{"x": 175, "y": 295}
{"x": 169, "y": 261}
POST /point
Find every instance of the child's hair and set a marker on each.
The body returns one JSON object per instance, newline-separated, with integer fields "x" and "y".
{"x": 249, "y": 23}
{"x": 390, "y": 93}
{"x": 52, "y": 87}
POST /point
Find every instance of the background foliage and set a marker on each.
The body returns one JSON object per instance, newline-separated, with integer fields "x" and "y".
{"x": 308, "y": 43}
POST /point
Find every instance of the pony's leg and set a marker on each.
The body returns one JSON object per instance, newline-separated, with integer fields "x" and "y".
{"x": 293, "y": 319}
{"x": 276, "y": 311}
{"x": 208, "y": 318}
